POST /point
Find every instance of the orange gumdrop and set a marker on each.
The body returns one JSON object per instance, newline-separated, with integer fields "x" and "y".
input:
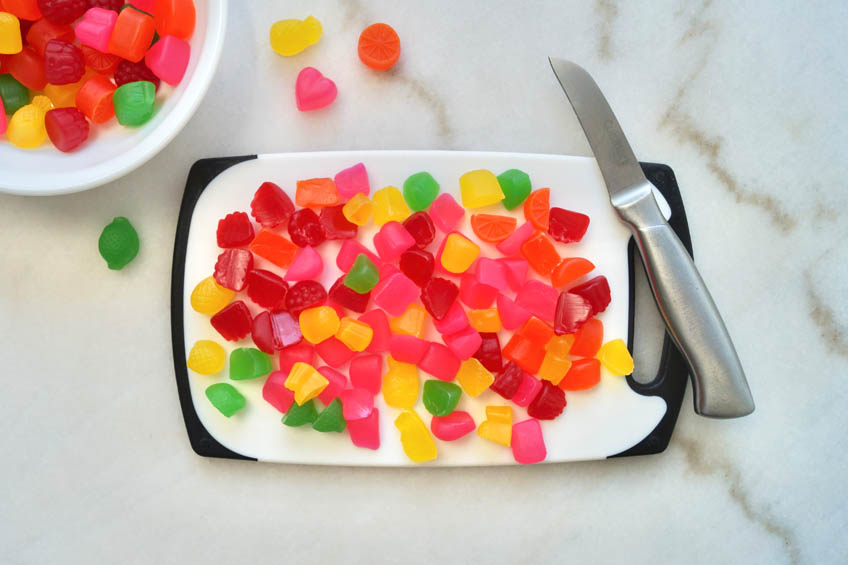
{"x": 94, "y": 99}
{"x": 316, "y": 193}
{"x": 23, "y": 9}
{"x": 583, "y": 374}
{"x": 537, "y": 208}
{"x": 132, "y": 35}
{"x": 274, "y": 247}
{"x": 588, "y": 339}
{"x": 540, "y": 252}
{"x": 379, "y": 46}
{"x": 174, "y": 17}
{"x": 492, "y": 227}
{"x": 571, "y": 269}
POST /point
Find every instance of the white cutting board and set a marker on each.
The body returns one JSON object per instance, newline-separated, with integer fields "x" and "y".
{"x": 597, "y": 423}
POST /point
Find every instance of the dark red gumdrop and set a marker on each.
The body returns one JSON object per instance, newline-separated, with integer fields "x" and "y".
{"x": 64, "y": 62}
{"x": 418, "y": 265}
{"x": 267, "y": 289}
{"x": 572, "y": 311}
{"x": 489, "y": 352}
{"x": 232, "y": 267}
{"x": 421, "y": 227}
{"x": 596, "y": 291}
{"x": 567, "y": 226}
{"x": 262, "y": 333}
{"x": 305, "y": 228}
{"x": 114, "y": 5}
{"x": 348, "y": 298}
{"x": 127, "y": 71}
{"x": 335, "y": 225}
{"x": 548, "y": 404}
{"x": 271, "y": 206}
{"x": 234, "y": 230}
{"x": 507, "y": 380}
{"x": 233, "y": 322}
{"x": 303, "y": 295}
{"x": 62, "y": 12}
{"x": 66, "y": 127}
{"x": 438, "y": 295}
{"x": 285, "y": 329}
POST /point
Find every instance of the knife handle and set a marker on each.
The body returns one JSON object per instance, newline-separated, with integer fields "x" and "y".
{"x": 690, "y": 315}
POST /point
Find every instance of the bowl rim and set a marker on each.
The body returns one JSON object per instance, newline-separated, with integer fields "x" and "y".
{"x": 180, "y": 115}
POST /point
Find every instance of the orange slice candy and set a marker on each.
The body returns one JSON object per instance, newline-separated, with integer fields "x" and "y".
{"x": 493, "y": 228}
{"x": 379, "y": 47}
{"x": 537, "y": 208}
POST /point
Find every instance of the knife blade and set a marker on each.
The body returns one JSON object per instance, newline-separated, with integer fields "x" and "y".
{"x": 690, "y": 315}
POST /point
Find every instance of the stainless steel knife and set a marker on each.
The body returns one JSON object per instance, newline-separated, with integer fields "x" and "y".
{"x": 690, "y": 315}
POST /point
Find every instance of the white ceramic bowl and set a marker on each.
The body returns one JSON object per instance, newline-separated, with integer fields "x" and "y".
{"x": 113, "y": 150}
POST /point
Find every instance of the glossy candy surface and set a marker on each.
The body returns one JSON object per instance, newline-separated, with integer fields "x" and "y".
{"x": 168, "y": 58}
{"x": 363, "y": 275}
{"x": 473, "y": 377}
{"x": 438, "y": 296}
{"x": 206, "y": 357}
{"x": 453, "y": 426}
{"x": 389, "y": 205}
{"x": 305, "y": 228}
{"x": 174, "y": 17}
{"x": 134, "y": 103}
{"x": 440, "y": 398}
{"x": 400, "y": 384}
{"x": 439, "y": 361}
{"x": 271, "y": 206}
{"x": 290, "y": 37}
{"x": 305, "y": 382}
{"x": 303, "y": 295}
{"x": 232, "y": 267}
{"x": 131, "y": 35}
{"x": 67, "y": 128}
{"x": 118, "y": 243}
{"x": 335, "y": 224}
{"x": 497, "y": 426}
{"x": 479, "y": 188}
{"x": 358, "y": 209}
{"x": 248, "y": 363}
{"x": 528, "y": 445}
{"x": 225, "y": 398}
{"x": 234, "y": 230}
{"x": 95, "y": 28}
{"x": 417, "y": 442}
{"x": 63, "y": 62}
{"x": 266, "y": 289}
{"x": 26, "y": 129}
{"x": 419, "y": 191}
{"x": 515, "y": 185}
{"x": 379, "y": 46}
{"x": 313, "y": 90}
{"x": 616, "y": 358}
{"x": 209, "y": 297}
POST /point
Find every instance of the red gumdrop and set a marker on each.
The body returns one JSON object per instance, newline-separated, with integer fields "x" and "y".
{"x": 232, "y": 267}
{"x": 475, "y": 294}
{"x": 302, "y": 352}
{"x": 43, "y": 31}
{"x": 261, "y": 332}
{"x": 334, "y": 352}
{"x": 335, "y": 225}
{"x": 127, "y": 71}
{"x": 420, "y": 226}
{"x": 507, "y": 380}
{"x": 303, "y": 295}
{"x": 572, "y": 311}
{"x": 438, "y": 295}
{"x": 567, "y": 226}
{"x": 27, "y": 67}
{"x": 596, "y": 291}
{"x": 62, "y": 12}
{"x": 305, "y": 228}
{"x": 489, "y": 352}
{"x": 267, "y": 289}
{"x": 418, "y": 265}
{"x": 408, "y": 348}
{"x": 233, "y": 322}
{"x": 548, "y": 404}
{"x": 234, "y": 230}
{"x": 114, "y": 5}
{"x": 66, "y": 127}
{"x": 348, "y": 298}
{"x": 381, "y": 341}
{"x": 453, "y": 426}
{"x": 64, "y": 62}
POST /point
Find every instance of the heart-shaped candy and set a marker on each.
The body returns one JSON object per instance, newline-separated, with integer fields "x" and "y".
{"x": 313, "y": 90}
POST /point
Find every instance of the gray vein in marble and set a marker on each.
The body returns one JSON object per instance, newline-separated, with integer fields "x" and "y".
{"x": 834, "y": 337}
{"x": 353, "y": 11}
{"x": 608, "y": 12}
{"x": 723, "y": 468}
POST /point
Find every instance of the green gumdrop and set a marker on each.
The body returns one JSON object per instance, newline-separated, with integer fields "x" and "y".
{"x": 420, "y": 190}
{"x": 515, "y": 185}
{"x": 225, "y": 398}
{"x": 118, "y": 243}
{"x": 330, "y": 419}
{"x": 300, "y": 415}
{"x": 134, "y": 102}
{"x": 441, "y": 398}
{"x": 249, "y": 363}
{"x": 363, "y": 275}
{"x": 14, "y": 94}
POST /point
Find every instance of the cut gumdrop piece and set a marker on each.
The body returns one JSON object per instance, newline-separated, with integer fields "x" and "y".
{"x": 489, "y": 352}
{"x": 337, "y": 382}
{"x": 485, "y": 320}
{"x": 354, "y": 334}
{"x": 353, "y": 181}
{"x": 209, "y": 297}
{"x": 381, "y": 339}
{"x": 439, "y": 361}
{"x": 583, "y": 374}
{"x": 516, "y": 271}
{"x": 525, "y": 352}
{"x": 554, "y": 368}
{"x": 528, "y": 390}
{"x": 305, "y": 228}
{"x": 420, "y": 226}
{"x": 497, "y": 426}
{"x": 415, "y": 438}
{"x": 344, "y": 296}
{"x": 507, "y": 381}
{"x": 366, "y": 431}
{"x": 418, "y": 265}
{"x": 588, "y": 339}
{"x": 539, "y": 299}
{"x": 363, "y": 275}
{"x": 358, "y": 209}
{"x": 528, "y": 445}
{"x": 492, "y": 228}
{"x": 314, "y": 193}
{"x": 302, "y": 352}
{"x": 331, "y": 419}
{"x": 445, "y": 212}
{"x": 540, "y": 252}
{"x": 464, "y": 343}
{"x": 300, "y": 415}
{"x": 318, "y": 323}
{"x": 515, "y": 185}
{"x": 273, "y": 247}
{"x": 512, "y": 244}
{"x": 392, "y": 240}
{"x": 475, "y": 294}
{"x": 357, "y": 403}
{"x": 400, "y": 384}
{"x": 548, "y": 404}
{"x": 350, "y": 250}
{"x": 572, "y": 311}
{"x": 419, "y": 191}
{"x": 389, "y": 205}
{"x": 440, "y": 398}
{"x": 275, "y": 393}
{"x": 206, "y": 357}
{"x": 233, "y": 322}
{"x": 491, "y": 272}
{"x": 247, "y": 363}
{"x": 408, "y": 348}
{"x": 479, "y": 188}
{"x": 266, "y": 289}
{"x": 511, "y": 314}
{"x": 303, "y": 295}
{"x": 366, "y": 371}
{"x": 596, "y": 292}
{"x": 334, "y": 352}
{"x": 395, "y": 293}
{"x": 306, "y": 382}
{"x": 307, "y": 264}
{"x": 335, "y": 224}
{"x": 473, "y": 377}
{"x": 454, "y": 321}
{"x": 453, "y": 426}
{"x": 567, "y": 226}
{"x": 225, "y": 398}
{"x": 570, "y": 269}
{"x": 412, "y": 322}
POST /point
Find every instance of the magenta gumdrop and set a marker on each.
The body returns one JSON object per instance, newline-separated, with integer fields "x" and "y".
{"x": 539, "y": 299}
{"x": 95, "y": 28}
{"x": 407, "y": 348}
{"x": 168, "y": 58}
{"x": 366, "y": 371}
{"x": 349, "y": 251}
{"x": 512, "y": 244}
{"x": 365, "y": 432}
{"x": 352, "y": 180}
{"x": 475, "y": 294}
{"x": 337, "y": 382}
{"x": 395, "y": 293}
{"x": 511, "y": 314}
{"x": 454, "y": 321}
{"x": 445, "y": 212}
{"x": 334, "y": 352}
{"x": 382, "y": 333}
{"x": 464, "y": 343}
{"x": 516, "y": 271}
{"x": 307, "y": 265}
{"x": 392, "y": 240}
{"x": 439, "y": 361}
{"x": 528, "y": 445}
{"x": 357, "y": 403}
{"x": 275, "y": 393}
{"x": 491, "y": 272}
{"x": 453, "y": 426}
{"x": 528, "y": 389}
{"x": 301, "y": 352}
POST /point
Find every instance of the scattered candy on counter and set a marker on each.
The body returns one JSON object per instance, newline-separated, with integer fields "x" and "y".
{"x": 379, "y": 47}
{"x": 118, "y": 243}
{"x": 290, "y": 37}
{"x": 92, "y": 60}
{"x": 521, "y": 324}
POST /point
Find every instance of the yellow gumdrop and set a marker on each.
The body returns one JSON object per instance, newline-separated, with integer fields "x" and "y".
{"x": 389, "y": 205}
{"x": 208, "y": 297}
{"x": 459, "y": 253}
{"x": 497, "y": 426}
{"x": 26, "y": 128}
{"x": 358, "y": 209}
{"x": 615, "y": 357}
{"x": 290, "y": 37}
{"x": 400, "y": 384}
{"x": 306, "y": 382}
{"x": 206, "y": 357}
{"x": 473, "y": 377}
{"x": 10, "y": 34}
{"x": 417, "y": 442}
{"x": 411, "y": 322}
{"x": 553, "y": 368}
{"x": 480, "y": 188}
{"x": 42, "y": 102}
{"x": 319, "y": 323}
{"x": 487, "y": 320}
{"x": 65, "y": 95}
{"x": 354, "y": 334}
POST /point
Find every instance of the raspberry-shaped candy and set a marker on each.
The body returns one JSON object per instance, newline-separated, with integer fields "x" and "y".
{"x": 98, "y": 61}
{"x": 305, "y": 228}
{"x": 128, "y": 71}
{"x": 66, "y": 127}
{"x": 303, "y": 295}
{"x": 234, "y": 230}
{"x": 62, "y": 12}
{"x": 64, "y": 62}
{"x": 106, "y": 4}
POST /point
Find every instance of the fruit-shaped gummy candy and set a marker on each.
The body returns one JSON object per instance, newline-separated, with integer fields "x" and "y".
{"x": 118, "y": 243}
{"x": 233, "y": 321}
{"x": 567, "y": 226}
{"x": 273, "y": 247}
{"x": 248, "y": 363}
{"x": 319, "y": 323}
{"x": 379, "y": 46}
{"x": 206, "y": 357}
{"x": 537, "y": 208}
{"x": 395, "y": 292}
{"x": 419, "y": 191}
{"x": 400, "y": 384}
{"x": 134, "y": 102}
{"x": 67, "y": 128}
{"x": 174, "y": 17}
{"x": 95, "y": 28}
{"x": 336, "y": 225}
{"x": 473, "y": 377}
{"x": 13, "y": 93}
{"x": 42, "y": 102}
{"x": 102, "y": 63}
{"x": 363, "y": 276}
{"x": 358, "y": 209}
{"x": 232, "y": 267}
{"x": 389, "y": 205}
{"x": 10, "y": 34}
{"x": 479, "y": 188}
{"x": 583, "y": 374}
{"x": 313, "y": 90}
{"x": 596, "y": 291}
{"x": 415, "y": 438}
{"x": 570, "y": 269}
{"x": 27, "y": 67}
{"x": 26, "y": 129}
{"x": 225, "y": 398}
{"x": 497, "y": 426}
{"x": 616, "y": 358}
{"x": 271, "y": 206}
{"x": 61, "y": 11}
{"x": 418, "y": 265}
{"x": 300, "y": 414}
{"x": 515, "y": 185}
{"x": 343, "y": 296}
{"x": 366, "y": 432}
{"x": 330, "y": 419}
{"x": 354, "y": 334}
{"x": 275, "y": 393}
{"x": 572, "y": 311}
{"x": 366, "y": 371}
{"x": 94, "y": 99}
{"x": 440, "y": 398}
{"x": 266, "y": 289}
{"x": 353, "y": 181}
{"x": 305, "y": 382}
{"x": 303, "y": 295}
{"x": 234, "y": 230}
{"x": 290, "y": 37}
{"x": 305, "y": 228}
{"x": 528, "y": 445}
{"x": 492, "y": 227}
{"x": 453, "y": 426}
{"x": 63, "y": 62}
{"x": 127, "y": 72}
{"x": 549, "y": 402}
{"x": 307, "y": 265}
{"x": 209, "y": 297}
{"x": 168, "y": 58}
{"x": 508, "y": 379}
{"x": 489, "y": 352}
{"x": 357, "y": 403}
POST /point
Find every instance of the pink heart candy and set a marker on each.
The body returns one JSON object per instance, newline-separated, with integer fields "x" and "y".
{"x": 313, "y": 90}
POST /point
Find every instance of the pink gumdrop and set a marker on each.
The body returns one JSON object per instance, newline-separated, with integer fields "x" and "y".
{"x": 95, "y": 28}
{"x": 334, "y": 352}
{"x": 337, "y": 383}
{"x": 511, "y": 314}
{"x": 516, "y": 271}
{"x": 348, "y": 253}
{"x": 313, "y": 90}
{"x": 474, "y": 294}
{"x": 290, "y": 355}
{"x": 357, "y": 403}
{"x": 285, "y": 330}
{"x": 453, "y": 426}
{"x": 365, "y": 432}
{"x": 366, "y": 371}
{"x": 445, "y": 212}
{"x": 464, "y": 343}
{"x": 2, "y": 118}
{"x": 408, "y": 348}
{"x": 392, "y": 240}
{"x": 168, "y": 58}
{"x": 528, "y": 445}
{"x": 440, "y": 362}
{"x": 454, "y": 321}
{"x": 307, "y": 265}
{"x": 274, "y": 391}
{"x": 352, "y": 180}
{"x": 491, "y": 272}
{"x": 527, "y": 390}
{"x": 512, "y": 244}
{"x": 381, "y": 340}
{"x": 539, "y": 299}
{"x": 394, "y": 293}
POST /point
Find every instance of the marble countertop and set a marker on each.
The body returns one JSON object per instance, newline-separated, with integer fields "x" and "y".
{"x": 744, "y": 100}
